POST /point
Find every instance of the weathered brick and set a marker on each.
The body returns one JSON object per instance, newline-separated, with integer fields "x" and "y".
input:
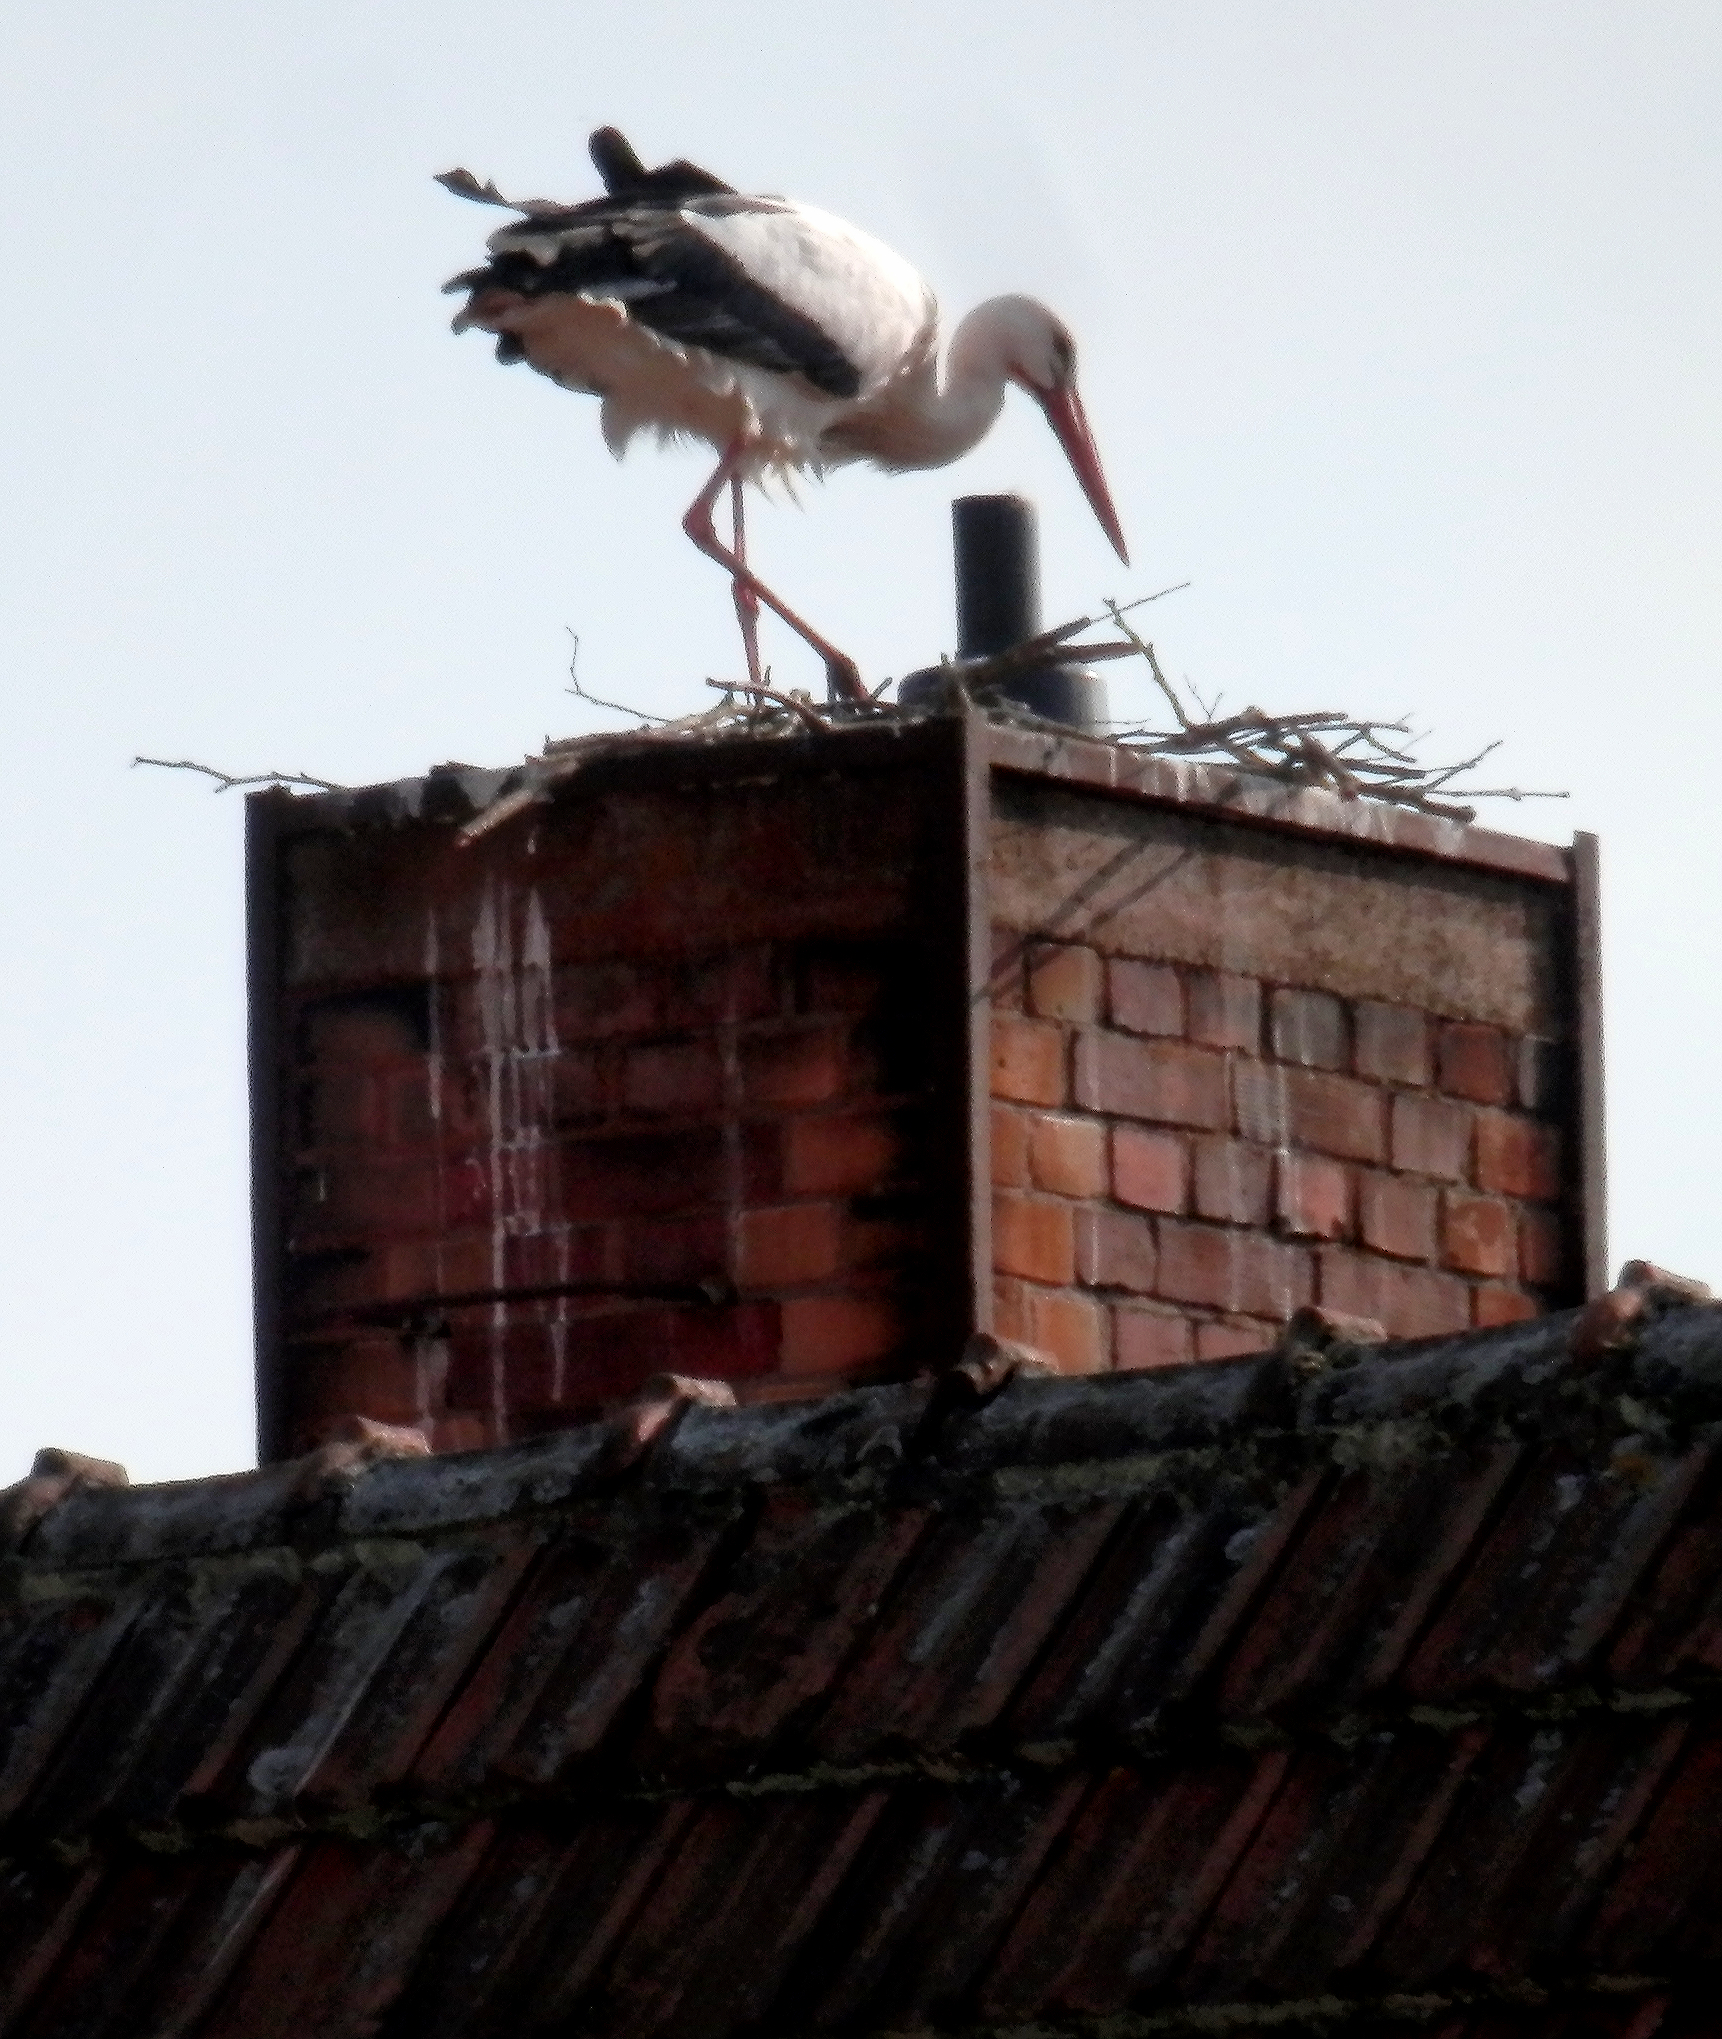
{"x": 808, "y": 1066}
{"x": 380, "y": 1377}
{"x": 1067, "y": 1155}
{"x": 1010, "y": 1148}
{"x": 842, "y": 978}
{"x": 1337, "y": 1115}
{"x": 1309, "y": 1028}
{"x": 644, "y": 1173}
{"x": 338, "y": 1110}
{"x": 663, "y": 1249}
{"x": 465, "y": 1432}
{"x": 1432, "y": 1137}
{"x": 1479, "y": 1235}
{"x": 1518, "y": 1156}
{"x": 1150, "y": 1171}
{"x": 1034, "y": 1237}
{"x": 832, "y": 1334}
{"x": 1225, "y": 1011}
{"x": 1241, "y": 1271}
{"x": 828, "y": 1153}
{"x": 1409, "y": 1302}
{"x": 1313, "y": 1197}
{"x": 1064, "y": 982}
{"x": 603, "y": 998}
{"x": 729, "y": 987}
{"x": 1010, "y": 1310}
{"x": 788, "y": 1246}
{"x": 361, "y": 1030}
{"x": 1075, "y": 1329}
{"x": 1396, "y": 1216}
{"x": 1138, "y": 1079}
{"x": 339, "y": 1198}
{"x": 1542, "y": 1249}
{"x": 1149, "y": 1338}
{"x": 675, "y": 1076}
{"x": 579, "y": 1088}
{"x": 1233, "y": 1181}
{"x": 1232, "y": 1341}
{"x": 1391, "y": 1043}
{"x": 1028, "y": 1060}
{"x": 1144, "y": 998}
{"x": 1475, "y": 1062}
{"x": 1493, "y": 1305}
{"x": 1114, "y": 1249}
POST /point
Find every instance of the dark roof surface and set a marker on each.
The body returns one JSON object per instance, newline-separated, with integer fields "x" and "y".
{"x": 1230, "y": 1698}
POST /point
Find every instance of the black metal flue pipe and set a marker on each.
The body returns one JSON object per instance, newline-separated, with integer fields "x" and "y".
{"x": 998, "y": 605}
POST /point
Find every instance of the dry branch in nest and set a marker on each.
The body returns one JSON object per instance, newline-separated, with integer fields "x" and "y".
{"x": 1320, "y": 747}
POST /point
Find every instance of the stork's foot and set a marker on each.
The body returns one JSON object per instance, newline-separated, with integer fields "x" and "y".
{"x": 843, "y": 680}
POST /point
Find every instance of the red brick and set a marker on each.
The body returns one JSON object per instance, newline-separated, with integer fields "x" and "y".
{"x": 1395, "y": 1216}
{"x": 1150, "y": 1171}
{"x": 1309, "y": 1028}
{"x": 1144, "y": 998}
{"x": 805, "y": 1067}
{"x": 595, "y": 1253}
{"x": 642, "y": 1173}
{"x": 1149, "y": 1338}
{"x": 1064, "y": 982}
{"x": 1409, "y": 1302}
{"x": 679, "y": 1076}
{"x": 1034, "y": 1237}
{"x": 1479, "y": 1235}
{"x": 380, "y": 1377}
{"x": 843, "y": 979}
{"x": 604, "y": 998}
{"x": 343, "y": 1198}
{"x": 1392, "y": 1043}
{"x": 1309, "y": 1108}
{"x": 1233, "y": 1181}
{"x": 788, "y": 1246}
{"x": 671, "y": 1249}
{"x": 1028, "y": 1060}
{"x": 1241, "y": 1271}
{"x": 1075, "y": 1329}
{"x": 832, "y": 1334}
{"x": 1010, "y": 1310}
{"x": 1544, "y": 1076}
{"x": 578, "y": 1087}
{"x": 1312, "y": 1197}
{"x": 1067, "y": 1155}
{"x": 1162, "y": 1080}
{"x": 1518, "y": 1157}
{"x": 1492, "y": 1305}
{"x": 1010, "y": 1148}
{"x": 1232, "y": 1341}
{"x": 1476, "y": 1062}
{"x": 462, "y": 1433}
{"x": 1542, "y": 1249}
{"x": 1432, "y": 1137}
{"x": 735, "y": 985}
{"x": 1115, "y": 1250}
{"x": 371, "y": 1028}
{"x": 338, "y": 1111}
{"x": 828, "y": 1154}
{"x": 1225, "y": 1011}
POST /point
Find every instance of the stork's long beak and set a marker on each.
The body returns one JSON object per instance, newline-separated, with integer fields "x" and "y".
{"x": 1064, "y": 413}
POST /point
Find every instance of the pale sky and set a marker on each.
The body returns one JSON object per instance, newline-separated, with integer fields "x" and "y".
{"x": 1399, "y": 329}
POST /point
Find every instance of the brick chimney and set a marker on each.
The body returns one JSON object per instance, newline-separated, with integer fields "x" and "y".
{"x": 791, "y": 1062}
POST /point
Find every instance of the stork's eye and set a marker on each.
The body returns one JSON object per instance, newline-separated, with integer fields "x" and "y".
{"x": 1064, "y": 355}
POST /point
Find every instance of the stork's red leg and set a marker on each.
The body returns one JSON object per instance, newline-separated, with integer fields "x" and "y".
{"x": 841, "y": 672}
{"x": 746, "y": 601}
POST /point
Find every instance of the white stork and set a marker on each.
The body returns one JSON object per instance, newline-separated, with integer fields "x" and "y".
{"x": 786, "y": 339}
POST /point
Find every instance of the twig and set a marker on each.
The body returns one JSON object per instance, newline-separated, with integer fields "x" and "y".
{"x": 226, "y": 781}
{"x": 574, "y": 686}
{"x": 803, "y": 709}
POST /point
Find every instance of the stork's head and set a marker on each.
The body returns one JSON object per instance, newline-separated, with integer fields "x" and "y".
{"x": 1040, "y": 357}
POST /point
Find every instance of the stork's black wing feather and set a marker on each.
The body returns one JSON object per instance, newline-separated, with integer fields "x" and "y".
{"x": 649, "y": 254}
{"x": 625, "y": 176}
